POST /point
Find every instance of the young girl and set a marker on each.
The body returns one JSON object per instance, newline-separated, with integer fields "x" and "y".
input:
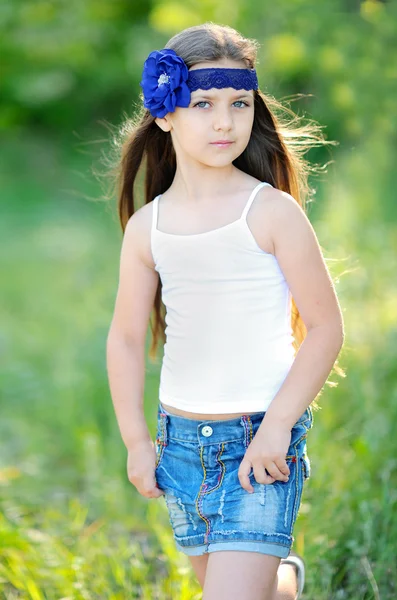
{"x": 252, "y": 327}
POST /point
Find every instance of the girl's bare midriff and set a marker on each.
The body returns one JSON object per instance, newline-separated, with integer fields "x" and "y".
{"x": 202, "y": 416}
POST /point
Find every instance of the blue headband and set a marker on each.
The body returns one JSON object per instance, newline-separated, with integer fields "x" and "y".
{"x": 167, "y": 83}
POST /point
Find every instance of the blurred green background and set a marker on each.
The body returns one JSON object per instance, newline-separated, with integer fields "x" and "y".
{"x": 71, "y": 525}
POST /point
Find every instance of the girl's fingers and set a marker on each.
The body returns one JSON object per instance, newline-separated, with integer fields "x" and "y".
{"x": 276, "y": 473}
{"x": 283, "y": 467}
{"x": 269, "y": 474}
{"x": 243, "y": 475}
{"x": 262, "y": 476}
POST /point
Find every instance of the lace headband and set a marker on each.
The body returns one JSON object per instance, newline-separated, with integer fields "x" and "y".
{"x": 167, "y": 83}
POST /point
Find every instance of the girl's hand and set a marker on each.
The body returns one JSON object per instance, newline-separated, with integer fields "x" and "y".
{"x": 267, "y": 451}
{"x": 141, "y": 465}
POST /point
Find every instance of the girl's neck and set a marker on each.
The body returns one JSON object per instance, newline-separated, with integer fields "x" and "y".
{"x": 197, "y": 185}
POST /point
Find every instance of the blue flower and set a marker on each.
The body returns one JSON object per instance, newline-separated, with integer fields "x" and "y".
{"x": 163, "y": 82}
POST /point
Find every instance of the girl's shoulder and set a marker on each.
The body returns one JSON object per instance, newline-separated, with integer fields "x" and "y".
{"x": 139, "y": 226}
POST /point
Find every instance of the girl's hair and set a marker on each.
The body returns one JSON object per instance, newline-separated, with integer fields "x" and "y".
{"x": 274, "y": 153}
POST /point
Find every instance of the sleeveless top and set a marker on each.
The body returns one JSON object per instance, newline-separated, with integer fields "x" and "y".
{"x": 228, "y": 328}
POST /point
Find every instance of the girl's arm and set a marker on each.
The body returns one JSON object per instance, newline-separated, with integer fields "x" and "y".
{"x": 299, "y": 256}
{"x": 126, "y": 339}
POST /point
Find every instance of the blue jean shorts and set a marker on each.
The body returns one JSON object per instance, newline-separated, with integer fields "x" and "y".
{"x": 196, "y": 467}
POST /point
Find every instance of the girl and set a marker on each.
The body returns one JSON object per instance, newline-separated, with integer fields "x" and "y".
{"x": 252, "y": 327}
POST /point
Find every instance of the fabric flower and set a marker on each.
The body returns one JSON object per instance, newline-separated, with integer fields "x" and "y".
{"x": 163, "y": 82}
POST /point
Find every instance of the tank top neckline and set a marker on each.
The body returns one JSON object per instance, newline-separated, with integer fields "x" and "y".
{"x": 241, "y": 219}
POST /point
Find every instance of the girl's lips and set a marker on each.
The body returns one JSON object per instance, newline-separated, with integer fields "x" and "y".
{"x": 221, "y": 144}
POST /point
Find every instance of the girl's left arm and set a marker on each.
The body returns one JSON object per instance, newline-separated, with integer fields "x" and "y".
{"x": 299, "y": 256}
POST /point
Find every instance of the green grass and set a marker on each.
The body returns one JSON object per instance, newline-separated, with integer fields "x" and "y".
{"x": 71, "y": 525}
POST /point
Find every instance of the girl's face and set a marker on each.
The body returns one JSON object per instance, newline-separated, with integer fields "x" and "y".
{"x": 213, "y": 115}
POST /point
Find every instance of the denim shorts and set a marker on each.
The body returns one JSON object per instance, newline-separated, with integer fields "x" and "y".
{"x": 196, "y": 467}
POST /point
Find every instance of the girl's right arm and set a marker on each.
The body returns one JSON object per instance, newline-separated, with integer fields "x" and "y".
{"x": 125, "y": 350}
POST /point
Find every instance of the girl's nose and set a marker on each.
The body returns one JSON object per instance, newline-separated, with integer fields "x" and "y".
{"x": 223, "y": 120}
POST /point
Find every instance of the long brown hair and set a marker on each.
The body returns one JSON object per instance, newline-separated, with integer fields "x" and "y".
{"x": 275, "y": 152}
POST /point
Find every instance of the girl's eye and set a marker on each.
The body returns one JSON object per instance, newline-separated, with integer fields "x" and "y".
{"x": 237, "y": 102}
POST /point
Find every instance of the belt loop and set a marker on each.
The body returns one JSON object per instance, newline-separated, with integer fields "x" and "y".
{"x": 247, "y": 424}
{"x": 163, "y": 428}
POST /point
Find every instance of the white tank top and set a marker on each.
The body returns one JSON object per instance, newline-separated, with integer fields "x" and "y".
{"x": 228, "y": 329}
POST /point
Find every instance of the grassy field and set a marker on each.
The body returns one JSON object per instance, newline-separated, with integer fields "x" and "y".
{"x": 71, "y": 525}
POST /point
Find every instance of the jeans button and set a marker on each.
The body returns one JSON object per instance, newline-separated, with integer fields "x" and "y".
{"x": 206, "y": 430}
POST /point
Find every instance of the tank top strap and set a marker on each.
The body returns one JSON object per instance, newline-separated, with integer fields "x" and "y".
{"x": 155, "y": 213}
{"x": 252, "y": 197}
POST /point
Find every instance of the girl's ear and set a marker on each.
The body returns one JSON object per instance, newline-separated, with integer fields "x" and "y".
{"x": 163, "y": 123}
